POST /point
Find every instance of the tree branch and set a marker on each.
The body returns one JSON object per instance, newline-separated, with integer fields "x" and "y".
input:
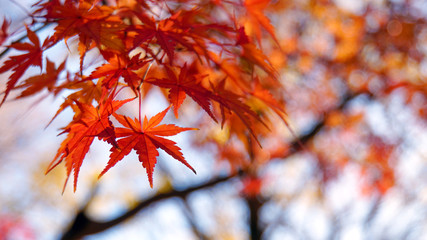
{"x": 299, "y": 143}
{"x": 84, "y": 225}
{"x": 254, "y": 205}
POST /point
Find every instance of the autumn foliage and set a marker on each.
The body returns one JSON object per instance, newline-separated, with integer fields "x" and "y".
{"x": 224, "y": 58}
{"x": 181, "y": 47}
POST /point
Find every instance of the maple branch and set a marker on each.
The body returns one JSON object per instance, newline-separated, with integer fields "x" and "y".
{"x": 254, "y": 204}
{"x": 83, "y": 225}
{"x": 299, "y": 143}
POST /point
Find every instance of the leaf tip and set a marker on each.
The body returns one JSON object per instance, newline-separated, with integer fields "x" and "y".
{"x": 65, "y": 185}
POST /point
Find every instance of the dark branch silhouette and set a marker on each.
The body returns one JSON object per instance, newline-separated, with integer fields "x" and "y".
{"x": 82, "y": 225}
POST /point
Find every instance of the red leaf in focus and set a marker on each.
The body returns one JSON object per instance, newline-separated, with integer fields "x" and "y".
{"x": 145, "y": 139}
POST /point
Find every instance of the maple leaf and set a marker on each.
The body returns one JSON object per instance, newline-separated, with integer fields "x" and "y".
{"x": 47, "y": 80}
{"x": 267, "y": 98}
{"x": 20, "y": 63}
{"x": 88, "y": 123}
{"x": 255, "y": 56}
{"x": 198, "y": 27}
{"x": 145, "y": 140}
{"x": 166, "y": 32}
{"x": 257, "y": 18}
{"x": 4, "y": 31}
{"x": 231, "y": 70}
{"x": 148, "y": 31}
{"x": 231, "y": 102}
{"x": 120, "y": 66}
{"x": 88, "y": 21}
{"x": 184, "y": 84}
{"x": 242, "y": 38}
{"x": 88, "y": 92}
{"x": 92, "y": 23}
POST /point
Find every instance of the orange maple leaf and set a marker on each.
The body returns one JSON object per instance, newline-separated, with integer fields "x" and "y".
{"x": 145, "y": 140}
{"x": 257, "y": 18}
{"x": 89, "y": 122}
{"x": 255, "y": 56}
{"x": 268, "y": 99}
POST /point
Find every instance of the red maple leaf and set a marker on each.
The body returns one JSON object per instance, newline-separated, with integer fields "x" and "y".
{"x": 88, "y": 92}
{"x": 160, "y": 33}
{"x": 91, "y": 22}
{"x": 167, "y": 34}
{"x": 4, "y": 31}
{"x": 233, "y": 104}
{"x": 20, "y": 63}
{"x": 242, "y": 38}
{"x": 95, "y": 25}
{"x": 89, "y": 122}
{"x": 185, "y": 84}
{"x": 145, "y": 140}
{"x": 47, "y": 80}
{"x": 120, "y": 66}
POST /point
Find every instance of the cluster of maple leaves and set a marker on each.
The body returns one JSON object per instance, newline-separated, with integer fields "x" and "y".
{"x": 199, "y": 49}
